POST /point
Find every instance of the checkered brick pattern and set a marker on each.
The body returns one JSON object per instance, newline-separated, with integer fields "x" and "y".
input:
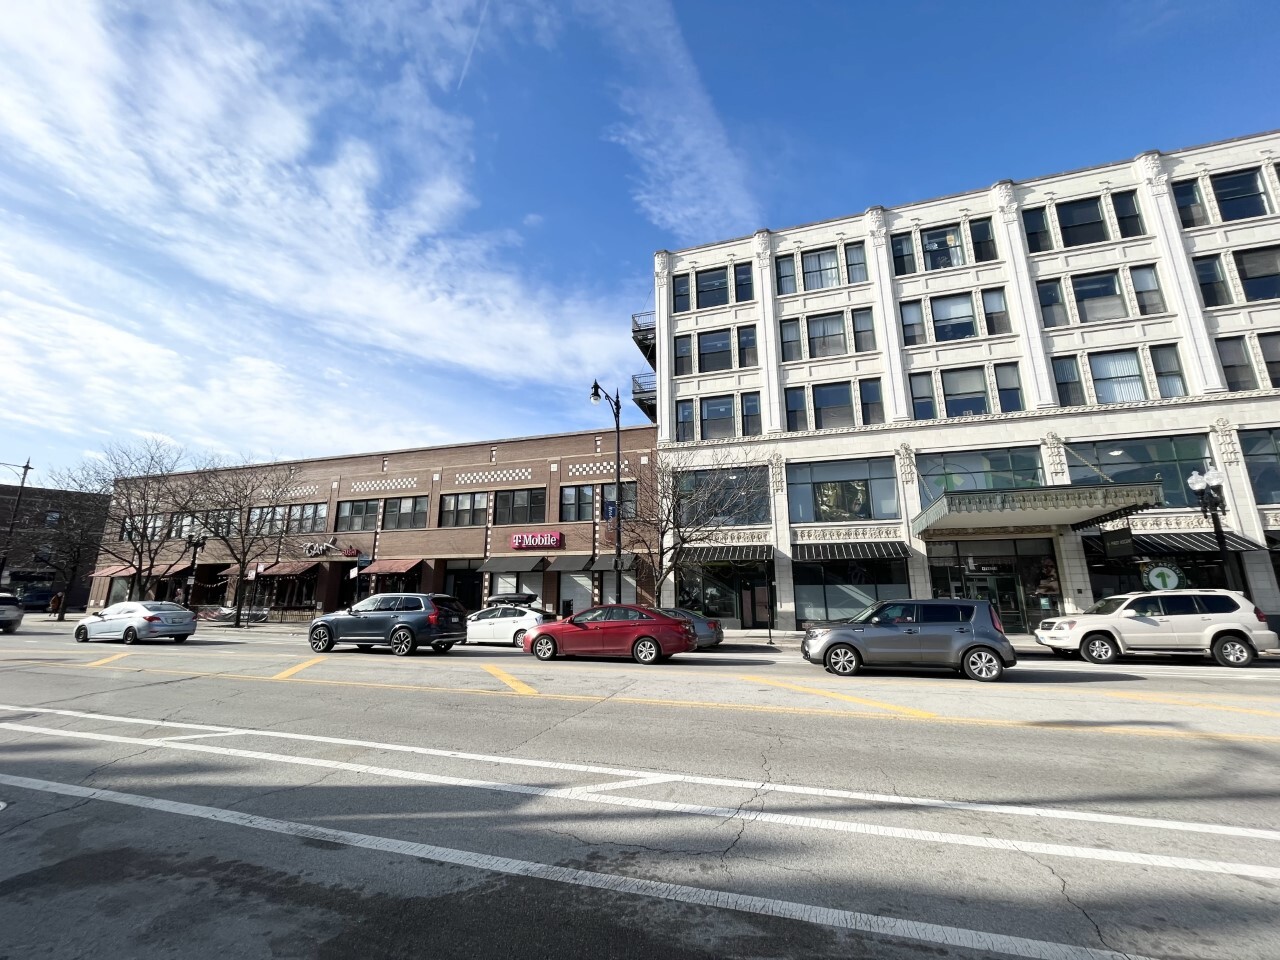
{"x": 384, "y": 484}
{"x": 598, "y": 468}
{"x": 494, "y": 476}
{"x": 297, "y": 493}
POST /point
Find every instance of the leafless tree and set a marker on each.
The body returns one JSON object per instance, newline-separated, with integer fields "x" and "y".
{"x": 68, "y": 538}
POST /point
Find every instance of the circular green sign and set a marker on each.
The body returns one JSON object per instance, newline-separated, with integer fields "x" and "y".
{"x": 1163, "y": 576}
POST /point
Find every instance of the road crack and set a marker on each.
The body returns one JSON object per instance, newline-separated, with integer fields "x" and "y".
{"x": 1079, "y": 907}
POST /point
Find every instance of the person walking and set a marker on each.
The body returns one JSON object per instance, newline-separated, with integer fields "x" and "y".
{"x": 55, "y": 604}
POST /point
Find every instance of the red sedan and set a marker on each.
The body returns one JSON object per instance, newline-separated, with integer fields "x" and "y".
{"x": 616, "y": 630}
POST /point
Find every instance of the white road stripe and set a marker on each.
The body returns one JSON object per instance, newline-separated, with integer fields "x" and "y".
{"x": 1190, "y": 864}
{"x": 918, "y": 931}
{"x": 622, "y": 784}
{"x": 1047, "y": 813}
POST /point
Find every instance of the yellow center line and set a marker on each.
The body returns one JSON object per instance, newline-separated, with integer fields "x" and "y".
{"x": 110, "y": 659}
{"x": 519, "y": 686}
{"x": 298, "y": 668}
{"x": 1189, "y": 700}
{"x": 864, "y": 701}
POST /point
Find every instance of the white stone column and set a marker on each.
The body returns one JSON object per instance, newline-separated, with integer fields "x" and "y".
{"x": 909, "y": 506}
{"x": 663, "y": 343}
{"x": 784, "y": 589}
{"x": 1243, "y": 515}
{"x": 885, "y": 317}
{"x": 771, "y": 414}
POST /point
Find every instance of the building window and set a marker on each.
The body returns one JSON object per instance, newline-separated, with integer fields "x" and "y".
{"x": 904, "y": 254}
{"x": 797, "y": 415}
{"x": 821, "y": 269}
{"x": 790, "y": 332}
{"x": 1191, "y": 211}
{"x": 1261, "y": 450}
{"x": 1146, "y": 285}
{"x": 680, "y": 293}
{"x": 1213, "y": 285}
{"x": 1128, "y": 216}
{"x": 463, "y": 509}
{"x": 577, "y": 503}
{"x": 872, "y": 401}
{"x": 855, "y": 262}
{"x": 784, "y": 269}
{"x": 184, "y": 524}
{"x": 717, "y": 417}
{"x": 519, "y": 506}
{"x": 1168, "y": 460}
{"x": 826, "y": 336}
{"x": 983, "y": 240}
{"x": 684, "y": 355}
{"x": 1009, "y": 387}
{"x": 964, "y": 391}
{"x": 751, "y": 415}
{"x": 1239, "y": 194}
{"x": 977, "y": 470}
{"x": 1036, "y": 226}
{"x": 713, "y": 287}
{"x": 684, "y": 420}
{"x": 405, "y": 513}
{"x": 1098, "y": 297}
{"x": 953, "y": 317}
{"x": 864, "y": 331}
{"x": 226, "y": 523}
{"x": 628, "y": 500}
{"x": 922, "y": 405}
{"x": 943, "y": 247}
{"x": 734, "y": 496}
{"x": 912, "y": 322}
{"x": 1066, "y": 374}
{"x": 747, "y": 347}
{"x": 840, "y": 491}
{"x": 1081, "y": 222}
{"x": 1259, "y": 273}
{"x": 715, "y": 351}
{"x": 995, "y": 312}
{"x": 1236, "y": 368}
{"x": 744, "y": 287}
{"x": 52, "y": 518}
{"x": 1053, "y": 309}
{"x": 354, "y": 515}
{"x": 832, "y": 406}
{"x": 1117, "y": 377}
{"x": 840, "y": 589}
{"x": 1270, "y": 345}
{"x": 1168, "y": 371}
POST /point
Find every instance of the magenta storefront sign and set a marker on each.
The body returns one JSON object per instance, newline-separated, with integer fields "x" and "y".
{"x": 537, "y": 541}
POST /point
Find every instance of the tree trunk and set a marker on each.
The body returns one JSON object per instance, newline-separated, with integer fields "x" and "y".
{"x": 72, "y": 572}
{"x": 240, "y": 592}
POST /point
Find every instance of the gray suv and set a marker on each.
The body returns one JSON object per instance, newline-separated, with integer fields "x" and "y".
{"x": 399, "y": 620}
{"x": 965, "y": 635}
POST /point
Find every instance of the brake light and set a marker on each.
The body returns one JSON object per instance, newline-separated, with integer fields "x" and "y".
{"x": 713, "y": 624}
{"x": 152, "y": 619}
{"x": 433, "y": 617}
{"x": 1262, "y": 617}
{"x": 996, "y": 621}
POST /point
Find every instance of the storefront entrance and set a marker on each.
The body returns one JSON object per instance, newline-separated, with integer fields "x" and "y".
{"x": 1018, "y": 577}
{"x": 729, "y": 591}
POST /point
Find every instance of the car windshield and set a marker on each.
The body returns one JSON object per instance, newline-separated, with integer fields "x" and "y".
{"x": 863, "y": 615}
{"x": 160, "y": 605}
{"x": 1109, "y": 605}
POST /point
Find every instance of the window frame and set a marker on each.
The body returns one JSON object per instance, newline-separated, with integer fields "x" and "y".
{"x": 1038, "y": 240}
{"x": 904, "y": 260}
{"x": 680, "y": 293}
{"x": 843, "y": 413}
{"x": 1221, "y": 289}
{"x": 870, "y": 408}
{"x": 1058, "y": 309}
{"x": 1116, "y": 298}
{"x": 1002, "y": 323}
{"x": 414, "y": 513}
{"x": 1125, "y": 222}
{"x": 985, "y": 249}
{"x": 1148, "y": 305}
{"x": 826, "y": 344}
{"x": 1235, "y": 384}
{"x": 1107, "y": 389}
{"x": 1160, "y": 353}
{"x": 1263, "y": 286}
{"x": 729, "y": 427}
{"x": 946, "y": 325}
{"x": 791, "y": 324}
{"x": 748, "y": 353}
{"x": 950, "y": 255}
{"x": 1259, "y": 194}
{"x": 919, "y": 397}
{"x": 867, "y": 485}
{"x": 726, "y": 353}
{"x": 685, "y": 425}
{"x": 863, "y": 323}
{"x": 797, "y": 410}
{"x": 1072, "y": 386}
{"x": 1085, "y": 231}
{"x": 904, "y": 325}
{"x": 571, "y": 509}
{"x": 861, "y": 263}
{"x": 368, "y": 515}
{"x": 822, "y": 272}
{"x": 958, "y": 397}
{"x": 713, "y": 289}
{"x": 513, "y": 513}
{"x": 1009, "y": 396}
{"x": 744, "y": 282}
{"x": 1193, "y": 212}
{"x": 682, "y": 355}
{"x": 752, "y": 423}
{"x": 784, "y": 278}
{"x": 474, "y": 514}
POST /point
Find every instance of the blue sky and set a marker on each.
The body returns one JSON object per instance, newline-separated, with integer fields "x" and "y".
{"x": 308, "y": 227}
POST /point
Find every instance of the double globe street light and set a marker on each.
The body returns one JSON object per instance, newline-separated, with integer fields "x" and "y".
{"x": 1208, "y": 490}
{"x": 616, "y": 406}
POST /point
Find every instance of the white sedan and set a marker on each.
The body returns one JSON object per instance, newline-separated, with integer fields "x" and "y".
{"x": 504, "y": 624}
{"x": 136, "y": 620}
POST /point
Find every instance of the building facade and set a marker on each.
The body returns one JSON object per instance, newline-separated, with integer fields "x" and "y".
{"x": 526, "y": 515}
{"x": 55, "y": 540}
{"x": 980, "y": 394}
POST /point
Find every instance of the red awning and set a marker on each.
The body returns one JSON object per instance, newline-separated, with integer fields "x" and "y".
{"x": 289, "y": 568}
{"x": 391, "y": 566}
{"x": 120, "y": 570}
{"x": 173, "y": 569}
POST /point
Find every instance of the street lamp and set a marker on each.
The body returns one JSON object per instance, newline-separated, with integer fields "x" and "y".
{"x": 13, "y": 516}
{"x": 616, "y": 406}
{"x": 1208, "y": 490}
{"x": 196, "y": 543}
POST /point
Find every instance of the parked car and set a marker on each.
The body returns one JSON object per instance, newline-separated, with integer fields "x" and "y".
{"x": 1221, "y": 623}
{"x": 10, "y": 613}
{"x": 36, "y": 598}
{"x": 709, "y": 632}
{"x": 505, "y": 624}
{"x": 135, "y": 620}
{"x": 513, "y": 599}
{"x": 615, "y": 630}
{"x": 401, "y": 620}
{"x": 965, "y": 635}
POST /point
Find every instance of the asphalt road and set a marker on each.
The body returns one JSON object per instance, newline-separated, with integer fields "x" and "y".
{"x": 239, "y": 796}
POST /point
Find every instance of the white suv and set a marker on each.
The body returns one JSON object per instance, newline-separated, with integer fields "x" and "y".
{"x": 10, "y": 613}
{"x": 1219, "y": 622}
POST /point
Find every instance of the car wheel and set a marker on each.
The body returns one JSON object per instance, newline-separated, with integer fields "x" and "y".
{"x": 182, "y": 639}
{"x": 544, "y": 648}
{"x": 442, "y": 647}
{"x": 10, "y": 628}
{"x": 403, "y": 642}
{"x": 842, "y": 660}
{"x": 982, "y": 664}
{"x": 321, "y": 639}
{"x": 82, "y": 635}
{"x": 1232, "y": 652}
{"x": 130, "y": 635}
{"x": 646, "y": 651}
{"x": 1099, "y": 648}
{"x": 518, "y": 639}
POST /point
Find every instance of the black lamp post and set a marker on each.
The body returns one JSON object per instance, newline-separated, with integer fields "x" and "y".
{"x": 13, "y": 516}
{"x": 1208, "y": 490}
{"x": 616, "y": 406}
{"x": 196, "y": 543}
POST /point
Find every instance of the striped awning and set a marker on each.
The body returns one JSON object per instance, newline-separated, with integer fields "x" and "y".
{"x": 1168, "y": 544}
{"x": 119, "y": 570}
{"x": 851, "y": 550}
{"x": 736, "y": 553}
{"x": 389, "y": 566}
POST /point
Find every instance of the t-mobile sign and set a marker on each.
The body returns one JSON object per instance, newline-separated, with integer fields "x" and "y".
{"x": 537, "y": 541}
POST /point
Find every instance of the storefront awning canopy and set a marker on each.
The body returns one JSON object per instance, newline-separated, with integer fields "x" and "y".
{"x": 391, "y": 566}
{"x": 119, "y": 570}
{"x": 289, "y": 568}
{"x": 1068, "y": 505}
{"x": 172, "y": 569}
{"x": 736, "y": 553}
{"x": 569, "y": 562}
{"x": 1167, "y": 544}
{"x": 606, "y": 562}
{"x": 513, "y": 564}
{"x": 851, "y": 550}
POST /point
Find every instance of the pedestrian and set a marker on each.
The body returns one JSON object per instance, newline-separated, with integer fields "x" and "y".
{"x": 55, "y": 604}
{"x": 177, "y": 596}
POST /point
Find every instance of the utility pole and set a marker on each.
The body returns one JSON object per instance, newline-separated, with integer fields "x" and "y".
{"x": 13, "y": 515}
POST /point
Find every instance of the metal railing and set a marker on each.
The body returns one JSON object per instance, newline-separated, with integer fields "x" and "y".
{"x": 642, "y": 383}
{"x": 644, "y": 323}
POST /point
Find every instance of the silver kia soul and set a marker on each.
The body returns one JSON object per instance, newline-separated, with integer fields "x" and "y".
{"x": 965, "y": 635}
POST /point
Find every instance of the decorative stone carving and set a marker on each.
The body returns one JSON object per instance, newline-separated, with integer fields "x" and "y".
{"x": 846, "y": 532}
{"x": 984, "y": 533}
{"x": 875, "y": 225}
{"x": 661, "y": 267}
{"x": 734, "y": 537}
{"x": 1006, "y": 203}
{"x": 778, "y": 473}
{"x": 906, "y": 463}
{"x": 764, "y": 249}
{"x": 1162, "y": 523}
{"x": 1271, "y": 519}
{"x": 1055, "y": 454}
{"x": 1152, "y": 170}
{"x": 1227, "y": 445}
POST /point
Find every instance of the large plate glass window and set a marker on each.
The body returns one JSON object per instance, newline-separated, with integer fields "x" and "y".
{"x": 1080, "y": 222}
{"x": 715, "y": 351}
{"x": 1259, "y": 273}
{"x": 821, "y": 269}
{"x": 840, "y": 491}
{"x": 717, "y": 417}
{"x": 953, "y": 317}
{"x": 1098, "y": 297}
{"x": 943, "y": 247}
{"x": 832, "y": 405}
{"x": 1168, "y": 371}
{"x": 734, "y": 496}
{"x": 1261, "y": 450}
{"x": 976, "y": 470}
{"x": 713, "y": 287}
{"x": 965, "y": 391}
{"x": 1117, "y": 376}
{"x": 1168, "y": 459}
{"x": 826, "y": 336}
{"x": 1240, "y": 194}
{"x": 1236, "y": 368}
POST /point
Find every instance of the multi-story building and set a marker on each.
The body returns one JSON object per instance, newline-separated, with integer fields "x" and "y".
{"x": 531, "y": 515}
{"x": 971, "y": 395}
{"x": 54, "y": 541}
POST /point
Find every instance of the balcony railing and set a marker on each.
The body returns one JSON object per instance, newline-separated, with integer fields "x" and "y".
{"x": 643, "y": 383}
{"x": 644, "y": 323}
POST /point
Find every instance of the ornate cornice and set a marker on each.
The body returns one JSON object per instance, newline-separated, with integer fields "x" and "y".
{"x": 985, "y": 533}
{"x": 875, "y": 225}
{"x": 1271, "y": 519}
{"x": 1004, "y": 200}
{"x": 751, "y": 535}
{"x": 1161, "y": 523}
{"x": 1152, "y": 171}
{"x": 764, "y": 249}
{"x": 846, "y": 532}
{"x": 1099, "y": 499}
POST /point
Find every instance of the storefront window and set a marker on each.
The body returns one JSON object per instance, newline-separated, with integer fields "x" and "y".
{"x": 842, "y": 490}
{"x": 1262, "y": 457}
{"x": 1018, "y": 577}
{"x": 1168, "y": 459}
{"x": 977, "y": 470}
{"x": 837, "y": 589}
{"x": 733, "y": 496}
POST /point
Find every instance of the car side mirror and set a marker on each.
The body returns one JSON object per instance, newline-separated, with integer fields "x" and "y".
{"x": 99, "y": 614}
{"x": 877, "y": 621}
{"x": 1129, "y": 612}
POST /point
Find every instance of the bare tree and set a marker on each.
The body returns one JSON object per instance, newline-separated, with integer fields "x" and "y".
{"x": 70, "y": 536}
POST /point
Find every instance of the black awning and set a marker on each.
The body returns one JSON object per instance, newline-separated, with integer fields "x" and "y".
{"x": 1273, "y": 540}
{"x": 1168, "y": 544}
{"x": 744, "y": 552}
{"x": 851, "y": 550}
{"x": 520, "y": 563}
{"x": 569, "y": 563}
{"x": 605, "y": 562}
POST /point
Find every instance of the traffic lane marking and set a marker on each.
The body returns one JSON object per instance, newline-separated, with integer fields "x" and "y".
{"x": 106, "y": 660}
{"x": 864, "y": 701}
{"x": 636, "y": 776}
{"x": 298, "y": 668}
{"x": 913, "y": 930}
{"x": 1187, "y": 700}
{"x": 519, "y": 686}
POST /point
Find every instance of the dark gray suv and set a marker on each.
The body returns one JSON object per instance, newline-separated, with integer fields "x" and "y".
{"x": 965, "y": 635}
{"x": 402, "y": 620}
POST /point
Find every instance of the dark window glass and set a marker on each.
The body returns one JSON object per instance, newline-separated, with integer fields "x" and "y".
{"x": 1146, "y": 286}
{"x": 717, "y": 417}
{"x": 730, "y": 497}
{"x": 1168, "y": 371}
{"x": 1191, "y": 211}
{"x": 1179, "y": 605}
{"x": 751, "y": 415}
{"x": 855, "y": 261}
{"x": 747, "y": 347}
{"x": 1128, "y": 216}
{"x": 519, "y": 506}
{"x": 1002, "y": 469}
{"x": 1270, "y": 344}
{"x": 864, "y": 331}
{"x": 942, "y": 613}
{"x": 1117, "y": 376}
{"x": 983, "y": 240}
{"x": 1239, "y": 194}
{"x": 355, "y": 515}
{"x": 1236, "y": 368}
{"x": 684, "y": 355}
{"x": 1167, "y": 459}
{"x": 684, "y": 420}
{"x": 1009, "y": 386}
{"x": 1261, "y": 450}
{"x": 964, "y": 391}
{"x": 785, "y": 271}
{"x": 1259, "y": 272}
{"x": 832, "y": 405}
{"x": 743, "y": 282}
{"x": 821, "y": 269}
{"x": 1066, "y": 374}
{"x": 904, "y": 254}
{"x": 1098, "y": 297}
{"x": 826, "y": 336}
{"x": 953, "y": 317}
{"x": 943, "y": 247}
{"x": 464, "y": 509}
{"x": 577, "y": 503}
{"x": 715, "y": 351}
{"x": 872, "y": 402}
{"x": 790, "y": 332}
{"x": 837, "y": 491}
{"x": 1036, "y": 226}
{"x": 313, "y": 517}
{"x": 912, "y": 322}
{"x": 1053, "y": 311}
{"x": 797, "y": 415}
{"x": 680, "y": 293}
{"x": 628, "y": 500}
{"x": 1213, "y": 285}
{"x": 713, "y": 287}
{"x": 995, "y": 312}
{"x": 922, "y": 405}
{"x": 1081, "y": 222}
{"x": 1217, "y": 603}
{"x": 405, "y": 513}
